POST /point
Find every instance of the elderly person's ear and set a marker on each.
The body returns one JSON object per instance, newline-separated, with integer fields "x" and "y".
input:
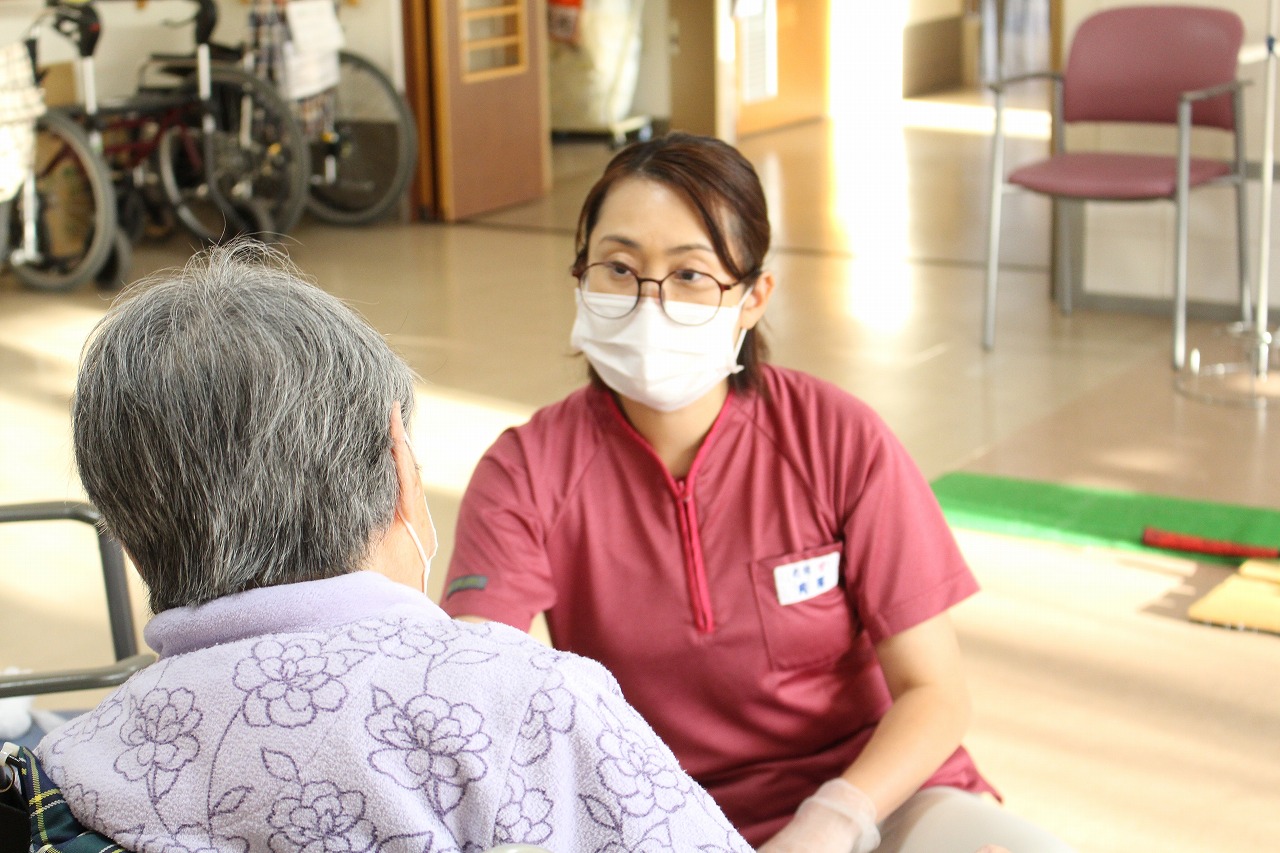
{"x": 404, "y": 550}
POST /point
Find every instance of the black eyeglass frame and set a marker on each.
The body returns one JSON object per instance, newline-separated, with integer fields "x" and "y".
{"x": 662, "y": 298}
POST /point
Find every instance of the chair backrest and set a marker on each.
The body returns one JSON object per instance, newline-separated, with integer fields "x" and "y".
{"x": 1131, "y": 63}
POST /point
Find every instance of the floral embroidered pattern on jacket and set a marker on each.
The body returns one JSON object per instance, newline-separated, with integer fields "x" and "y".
{"x": 396, "y": 731}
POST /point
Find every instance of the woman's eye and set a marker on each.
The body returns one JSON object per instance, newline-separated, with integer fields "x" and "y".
{"x": 618, "y": 269}
{"x": 690, "y": 277}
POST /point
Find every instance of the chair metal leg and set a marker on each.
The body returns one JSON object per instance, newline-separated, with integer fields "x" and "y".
{"x": 1180, "y": 199}
{"x": 1242, "y": 256}
{"x": 1065, "y": 213}
{"x": 993, "y": 226}
{"x": 1242, "y": 213}
{"x": 1180, "y": 287}
{"x": 993, "y": 269}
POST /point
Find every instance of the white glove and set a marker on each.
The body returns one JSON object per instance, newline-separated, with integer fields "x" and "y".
{"x": 837, "y": 818}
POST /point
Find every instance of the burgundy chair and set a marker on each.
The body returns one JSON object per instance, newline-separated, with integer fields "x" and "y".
{"x": 1162, "y": 65}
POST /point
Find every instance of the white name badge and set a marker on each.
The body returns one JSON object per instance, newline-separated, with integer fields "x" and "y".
{"x": 803, "y": 580}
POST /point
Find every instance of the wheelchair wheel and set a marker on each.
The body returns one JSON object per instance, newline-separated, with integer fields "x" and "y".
{"x": 5, "y": 211}
{"x": 251, "y": 174}
{"x": 255, "y": 220}
{"x": 75, "y": 215}
{"x": 115, "y": 271}
{"x": 360, "y": 171}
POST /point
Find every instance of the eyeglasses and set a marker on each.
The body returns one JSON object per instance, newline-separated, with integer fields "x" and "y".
{"x": 688, "y": 297}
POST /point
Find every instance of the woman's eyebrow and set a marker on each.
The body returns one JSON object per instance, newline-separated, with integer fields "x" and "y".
{"x": 674, "y": 250}
{"x": 617, "y": 238}
{"x": 690, "y": 247}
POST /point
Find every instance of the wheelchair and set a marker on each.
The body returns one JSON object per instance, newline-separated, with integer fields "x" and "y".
{"x": 124, "y": 640}
{"x": 24, "y": 790}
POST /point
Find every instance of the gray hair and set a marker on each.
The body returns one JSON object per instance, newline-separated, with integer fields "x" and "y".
{"x": 231, "y": 423}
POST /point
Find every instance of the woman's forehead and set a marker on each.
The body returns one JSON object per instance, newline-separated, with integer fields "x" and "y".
{"x": 642, "y": 210}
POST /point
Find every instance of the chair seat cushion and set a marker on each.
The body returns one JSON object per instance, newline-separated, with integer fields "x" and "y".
{"x": 1106, "y": 176}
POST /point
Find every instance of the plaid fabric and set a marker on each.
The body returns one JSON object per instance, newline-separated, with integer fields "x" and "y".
{"x": 53, "y": 828}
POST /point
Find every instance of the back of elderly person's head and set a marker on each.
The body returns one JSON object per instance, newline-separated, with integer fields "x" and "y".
{"x": 231, "y": 422}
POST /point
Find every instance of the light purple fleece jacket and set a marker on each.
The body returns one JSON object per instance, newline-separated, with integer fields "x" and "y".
{"x": 352, "y": 714}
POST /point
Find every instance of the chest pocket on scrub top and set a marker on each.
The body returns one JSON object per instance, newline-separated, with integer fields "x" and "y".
{"x": 805, "y": 615}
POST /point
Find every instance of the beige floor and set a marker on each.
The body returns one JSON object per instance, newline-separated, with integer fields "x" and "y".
{"x": 1102, "y": 712}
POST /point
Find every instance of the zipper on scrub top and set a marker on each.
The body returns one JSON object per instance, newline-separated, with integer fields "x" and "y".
{"x": 694, "y": 568}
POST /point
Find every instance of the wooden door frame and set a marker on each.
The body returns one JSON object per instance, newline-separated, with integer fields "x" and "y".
{"x": 416, "y": 27}
{"x": 430, "y": 74}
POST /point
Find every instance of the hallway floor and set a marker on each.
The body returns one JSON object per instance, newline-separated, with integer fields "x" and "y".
{"x": 1101, "y": 712}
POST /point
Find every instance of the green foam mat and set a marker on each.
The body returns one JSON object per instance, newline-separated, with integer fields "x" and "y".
{"x": 1086, "y": 516}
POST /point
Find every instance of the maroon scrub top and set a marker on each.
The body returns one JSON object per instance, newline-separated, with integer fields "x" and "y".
{"x": 677, "y": 585}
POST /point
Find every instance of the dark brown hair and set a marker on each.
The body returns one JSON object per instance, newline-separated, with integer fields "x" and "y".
{"x": 723, "y": 189}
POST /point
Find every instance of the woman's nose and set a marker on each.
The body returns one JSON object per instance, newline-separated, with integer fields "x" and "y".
{"x": 650, "y": 288}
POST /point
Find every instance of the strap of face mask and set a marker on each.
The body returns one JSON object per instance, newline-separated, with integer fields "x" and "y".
{"x": 417, "y": 543}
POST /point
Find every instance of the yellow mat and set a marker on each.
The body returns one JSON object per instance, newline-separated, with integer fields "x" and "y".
{"x": 1248, "y": 599}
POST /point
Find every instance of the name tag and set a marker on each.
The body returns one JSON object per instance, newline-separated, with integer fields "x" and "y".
{"x": 803, "y": 580}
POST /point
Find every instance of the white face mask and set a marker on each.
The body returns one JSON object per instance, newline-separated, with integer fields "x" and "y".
{"x": 417, "y": 543}
{"x": 647, "y": 357}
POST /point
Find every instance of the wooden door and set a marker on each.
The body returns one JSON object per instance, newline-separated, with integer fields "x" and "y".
{"x": 486, "y": 93}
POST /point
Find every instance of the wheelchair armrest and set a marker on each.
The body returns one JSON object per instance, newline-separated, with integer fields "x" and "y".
{"x": 90, "y": 678}
{"x": 51, "y": 511}
{"x": 218, "y": 52}
{"x": 113, "y": 573}
{"x": 187, "y": 59}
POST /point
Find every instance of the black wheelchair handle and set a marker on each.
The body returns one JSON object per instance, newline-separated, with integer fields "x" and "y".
{"x": 79, "y": 22}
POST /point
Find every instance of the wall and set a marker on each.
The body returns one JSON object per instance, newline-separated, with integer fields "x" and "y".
{"x": 919, "y": 11}
{"x": 373, "y": 28}
{"x": 653, "y": 88}
{"x": 1129, "y": 248}
{"x": 702, "y": 68}
{"x": 127, "y": 32}
{"x": 932, "y": 41}
{"x": 803, "y": 31}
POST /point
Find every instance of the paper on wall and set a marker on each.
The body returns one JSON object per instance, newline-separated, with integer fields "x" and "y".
{"x": 313, "y": 26}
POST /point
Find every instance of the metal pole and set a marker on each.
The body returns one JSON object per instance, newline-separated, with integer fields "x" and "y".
{"x": 1261, "y": 351}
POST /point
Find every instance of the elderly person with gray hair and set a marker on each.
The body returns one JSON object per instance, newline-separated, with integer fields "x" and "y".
{"x": 244, "y": 436}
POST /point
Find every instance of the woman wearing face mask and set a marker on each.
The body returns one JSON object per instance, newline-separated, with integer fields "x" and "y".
{"x": 748, "y": 549}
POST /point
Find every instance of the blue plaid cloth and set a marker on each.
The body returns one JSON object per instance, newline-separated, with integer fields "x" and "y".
{"x": 53, "y": 828}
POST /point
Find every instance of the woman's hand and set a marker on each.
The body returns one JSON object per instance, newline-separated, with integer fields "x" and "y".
{"x": 837, "y": 818}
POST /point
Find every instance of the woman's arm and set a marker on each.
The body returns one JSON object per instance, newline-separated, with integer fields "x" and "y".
{"x": 499, "y": 569}
{"x": 929, "y": 715}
